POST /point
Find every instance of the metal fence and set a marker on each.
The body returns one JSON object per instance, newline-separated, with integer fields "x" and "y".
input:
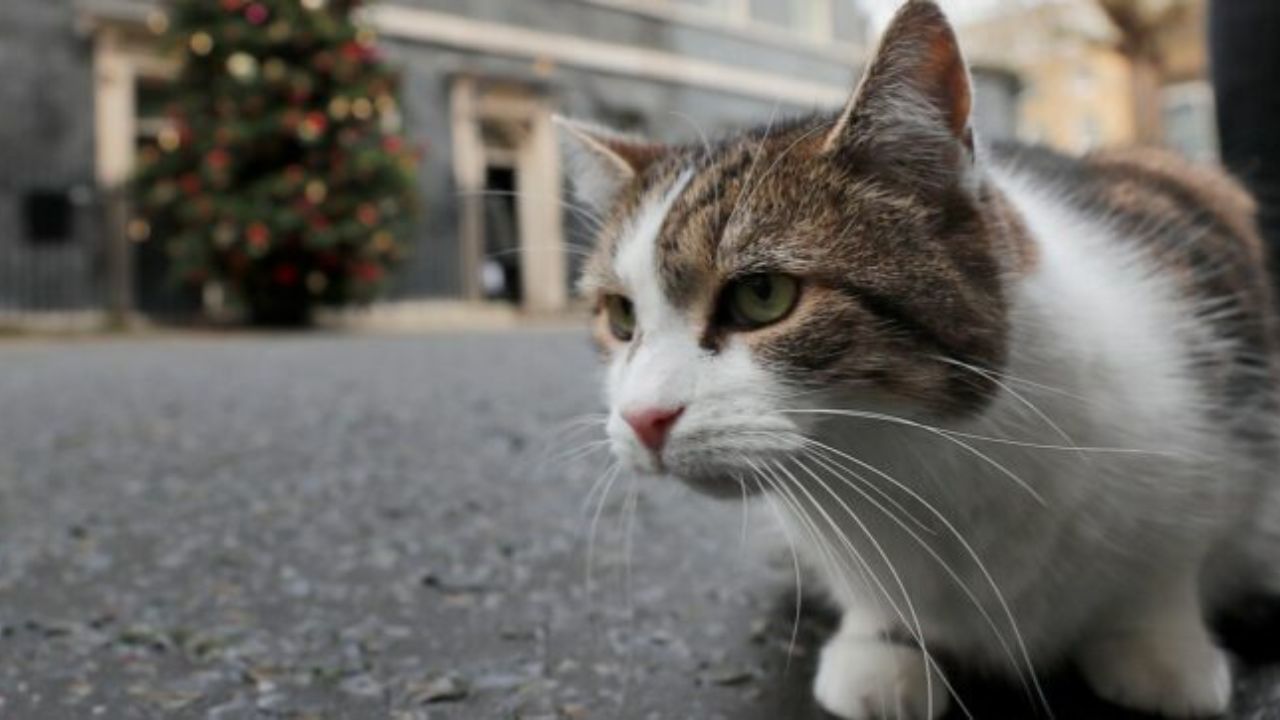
{"x": 52, "y": 259}
{"x": 64, "y": 258}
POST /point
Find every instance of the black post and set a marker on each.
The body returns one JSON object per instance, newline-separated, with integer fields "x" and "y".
{"x": 1244, "y": 38}
{"x": 119, "y": 258}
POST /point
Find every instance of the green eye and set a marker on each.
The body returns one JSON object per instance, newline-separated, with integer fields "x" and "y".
{"x": 759, "y": 300}
{"x": 622, "y": 317}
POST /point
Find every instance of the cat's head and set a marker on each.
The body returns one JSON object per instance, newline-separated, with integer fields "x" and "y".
{"x": 849, "y": 259}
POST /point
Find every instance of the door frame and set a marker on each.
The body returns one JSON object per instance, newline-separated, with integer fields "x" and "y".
{"x": 123, "y": 53}
{"x": 120, "y": 60}
{"x": 543, "y": 256}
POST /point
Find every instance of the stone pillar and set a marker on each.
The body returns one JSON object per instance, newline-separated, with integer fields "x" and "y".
{"x": 544, "y": 258}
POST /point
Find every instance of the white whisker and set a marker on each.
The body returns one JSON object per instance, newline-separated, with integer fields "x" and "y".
{"x": 953, "y": 434}
{"x": 973, "y": 555}
{"x": 913, "y": 623}
{"x": 795, "y": 561}
{"x": 629, "y": 520}
{"x": 946, "y": 435}
{"x": 759, "y": 152}
{"x": 595, "y": 521}
{"x": 1035, "y": 409}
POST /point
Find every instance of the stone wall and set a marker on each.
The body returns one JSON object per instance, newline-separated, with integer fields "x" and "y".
{"x": 46, "y": 146}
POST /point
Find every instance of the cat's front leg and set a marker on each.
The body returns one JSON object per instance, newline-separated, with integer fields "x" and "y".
{"x": 862, "y": 675}
{"x": 1159, "y": 657}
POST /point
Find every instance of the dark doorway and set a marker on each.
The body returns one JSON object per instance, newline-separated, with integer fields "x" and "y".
{"x": 500, "y": 270}
{"x": 157, "y": 292}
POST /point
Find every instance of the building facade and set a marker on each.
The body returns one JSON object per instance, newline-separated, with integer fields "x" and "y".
{"x": 1081, "y": 89}
{"x": 84, "y": 81}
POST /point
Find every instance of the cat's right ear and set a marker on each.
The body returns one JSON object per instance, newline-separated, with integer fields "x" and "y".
{"x": 601, "y": 162}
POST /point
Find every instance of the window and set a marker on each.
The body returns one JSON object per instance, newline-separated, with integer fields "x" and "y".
{"x": 717, "y": 6}
{"x": 1090, "y": 135}
{"x": 810, "y": 18}
{"x": 153, "y": 125}
{"x": 720, "y": 11}
{"x": 1189, "y": 123}
{"x": 812, "y": 21}
{"x": 47, "y": 215}
{"x": 1083, "y": 81}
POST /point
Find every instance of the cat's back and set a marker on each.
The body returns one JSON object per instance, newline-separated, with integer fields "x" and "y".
{"x": 1193, "y": 223}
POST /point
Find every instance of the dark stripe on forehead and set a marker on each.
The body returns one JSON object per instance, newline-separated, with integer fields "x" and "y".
{"x": 898, "y": 317}
{"x": 693, "y": 230}
{"x": 709, "y": 186}
{"x": 892, "y": 312}
{"x": 685, "y": 248}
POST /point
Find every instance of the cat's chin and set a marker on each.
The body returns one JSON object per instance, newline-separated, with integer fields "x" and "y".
{"x": 718, "y": 485}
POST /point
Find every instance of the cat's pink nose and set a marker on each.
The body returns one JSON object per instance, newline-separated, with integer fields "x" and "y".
{"x": 652, "y": 425}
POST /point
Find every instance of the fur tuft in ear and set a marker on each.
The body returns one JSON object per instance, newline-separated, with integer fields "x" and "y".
{"x": 916, "y": 96}
{"x": 601, "y": 162}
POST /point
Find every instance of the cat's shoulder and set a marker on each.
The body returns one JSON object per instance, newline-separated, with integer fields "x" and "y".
{"x": 1141, "y": 188}
{"x": 1192, "y": 223}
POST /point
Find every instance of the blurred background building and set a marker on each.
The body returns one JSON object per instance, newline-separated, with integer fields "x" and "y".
{"x": 1096, "y": 73}
{"x": 83, "y": 84}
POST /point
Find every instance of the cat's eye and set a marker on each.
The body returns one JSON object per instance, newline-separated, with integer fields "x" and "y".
{"x": 758, "y": 300}
{"x": 622, "y": 317}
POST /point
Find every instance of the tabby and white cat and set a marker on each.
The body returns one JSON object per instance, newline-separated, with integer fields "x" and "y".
{"x": 1018, "y": 409}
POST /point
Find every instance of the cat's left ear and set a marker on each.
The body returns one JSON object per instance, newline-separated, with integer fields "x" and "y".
{"x": 912, "y": 108}
{"x": 601, "y": 162}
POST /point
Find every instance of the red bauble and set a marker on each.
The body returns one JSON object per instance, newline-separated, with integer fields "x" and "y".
{"x": 367, "y": 214}
{"x": 232, "y": 5}
{"x": 190, "y": 183}
{"x": 258, "y": 235}
{"x": 368, "y": 272}
{"x": 218, "y": 158}
{"x": 354, "y": 51}
{"x": 285, "y": 275}
{"x": 257, "y": 13}
{"x": 317, "y": 122}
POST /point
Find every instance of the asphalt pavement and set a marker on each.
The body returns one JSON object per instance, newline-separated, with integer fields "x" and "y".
{"x": 318, "y": 526}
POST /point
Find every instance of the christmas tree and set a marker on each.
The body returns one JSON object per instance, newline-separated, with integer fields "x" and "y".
{"x": 282, "y": 174}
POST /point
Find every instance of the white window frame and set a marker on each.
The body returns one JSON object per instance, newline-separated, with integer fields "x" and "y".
{"x": 737, "y": 19}
{"x": 119, "y": 64}
{"x": 1195, "y": 93}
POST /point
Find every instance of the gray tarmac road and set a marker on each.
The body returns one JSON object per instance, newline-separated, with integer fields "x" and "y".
{"x": 378, "y": 527}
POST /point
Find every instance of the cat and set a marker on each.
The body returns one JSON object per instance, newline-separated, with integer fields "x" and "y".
{"x": 1016, "y": 409}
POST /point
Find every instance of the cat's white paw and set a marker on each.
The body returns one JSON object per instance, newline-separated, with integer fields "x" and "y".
{"x": 1177, "y": 674}
{"x": 866, "y": 679}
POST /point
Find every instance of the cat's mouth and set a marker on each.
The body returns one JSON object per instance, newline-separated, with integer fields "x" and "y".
{"x": 709, "y": 473}
{"x": 721, "y": 462}
{"x": 703, "y": 475}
